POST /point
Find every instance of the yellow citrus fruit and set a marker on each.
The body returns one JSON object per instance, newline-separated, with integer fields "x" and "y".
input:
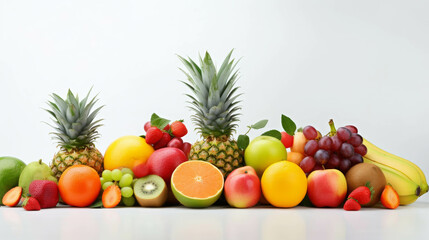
{"x": 284, "y": 184}
{"x": 127, "y": 151}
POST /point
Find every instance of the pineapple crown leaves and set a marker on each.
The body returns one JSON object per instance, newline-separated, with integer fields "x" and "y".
{"x": 214, "y": 100}
{"x": 74, "y": 120}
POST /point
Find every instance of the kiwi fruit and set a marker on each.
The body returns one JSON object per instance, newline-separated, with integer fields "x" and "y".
{"x": 150, "y": 191}
{"x": 363, "y": 173}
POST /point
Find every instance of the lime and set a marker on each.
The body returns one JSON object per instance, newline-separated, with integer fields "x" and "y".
{"x": 10, "y": 170}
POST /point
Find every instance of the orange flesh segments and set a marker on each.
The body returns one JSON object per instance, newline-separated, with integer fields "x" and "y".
{"x": 197, "y": 179}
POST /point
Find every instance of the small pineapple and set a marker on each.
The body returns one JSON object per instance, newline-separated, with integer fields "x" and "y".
{"x": 75, "y": 131}
{"x": 215, "y": 106}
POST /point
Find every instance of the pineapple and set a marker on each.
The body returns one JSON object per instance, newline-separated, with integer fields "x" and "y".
{"x": 75, "y": 131}
{"x": 215, "y": 105}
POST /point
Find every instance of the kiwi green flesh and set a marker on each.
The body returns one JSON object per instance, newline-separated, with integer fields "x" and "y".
{"x": 150, "y": 191}
{"x": 363, "y": 173}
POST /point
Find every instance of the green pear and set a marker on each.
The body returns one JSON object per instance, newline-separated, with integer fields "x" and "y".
{"x": 35, "y": 171}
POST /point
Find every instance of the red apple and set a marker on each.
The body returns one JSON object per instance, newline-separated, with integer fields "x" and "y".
{"x": 243, "y": 188}
{"x": 326, "y": 188}
{"x": 287, "y": 140}
{"x": 162, "y": 162}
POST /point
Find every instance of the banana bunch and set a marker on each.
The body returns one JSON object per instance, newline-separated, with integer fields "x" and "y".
{"x": 405, "y": 177}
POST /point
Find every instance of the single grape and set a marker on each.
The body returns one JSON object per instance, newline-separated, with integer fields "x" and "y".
{"x": 325, "y": 143}
{"x": 345, "y": 165}
{"x": 127, "y": 192}
{"x": 311, "y": 147}
{"x": 355, "y": 140}
{"x": 361, "y": 150}
{"x": 352, "y": 128}
{"x": 127, "y": 170}
{"x": 356, "y": 158}
{"x": 307, "y": 164}
{"x": 129, "y": 201}
{"x": 318, "y": 167}
{"x": 336, "y": 143}
{"x": 310, "y": 132}
{"x": 134, "y": 181}
{"x": 344, "y": 134}
{"x": 321, "y": 156}
{"x": 346, "y": 150}
{"x": 126, "y": 180}
{"x": 107, "y": 175}
{"x": 116, "y": 175}
{"x": 107, "y": 184}
{"x": 176, "y": 143}
{"x": 102, "y": 181}
{"x": 334, "y": 161}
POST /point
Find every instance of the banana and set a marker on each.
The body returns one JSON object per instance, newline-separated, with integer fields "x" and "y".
{"x": 407, "y": 168}
{"x": 407, "y": 189}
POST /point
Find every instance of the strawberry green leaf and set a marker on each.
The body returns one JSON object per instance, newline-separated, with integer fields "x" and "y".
{"x": 288, "y": 125}
{"x": 273, "y": 133}
{"x": 159, "y": 122}
{"x": 260, "y": 124}
{"x": 243, "y": 142}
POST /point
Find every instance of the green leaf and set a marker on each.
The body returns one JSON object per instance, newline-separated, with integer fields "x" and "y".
{"x": 159, "y": 122}
{"x": 260, "y": 124}
{"x": 243, "y": 142}
{"x": 288, "y": 125}
{"x": 97, "y": 204}
{"x": 273, "y": 133}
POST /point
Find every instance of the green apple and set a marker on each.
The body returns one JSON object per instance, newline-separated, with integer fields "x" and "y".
{"x": 264, "y": 151}
{"x": 34, "y": 171}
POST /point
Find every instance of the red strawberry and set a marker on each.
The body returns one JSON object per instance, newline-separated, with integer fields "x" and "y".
{"x": 165, "y": 138}
{"x": 178, "y": 129}
{"x": 45, "y": 191}
{"x": 153, "y": 135}
{"x": 31, "y": 204}
{"x": 362, "y": 194}
{"x": 351, "y": 205}
{"x": 389, "y": 197}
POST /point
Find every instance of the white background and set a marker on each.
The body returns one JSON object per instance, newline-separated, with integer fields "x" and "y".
{"x": 359, "y": 62}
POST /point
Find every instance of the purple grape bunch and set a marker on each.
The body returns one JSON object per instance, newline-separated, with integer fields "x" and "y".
{"x": 341, "y": 149}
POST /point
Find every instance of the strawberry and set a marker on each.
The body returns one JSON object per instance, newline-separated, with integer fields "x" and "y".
{"x": 351, "y": 205}
{"x": 178, "y": 129}
{"x": 31, "y": 204}
{"x": 362, "y": 194}
{"x": 389, "y": 197}
{"x": 45, "y": 191}
{"x": 165, "y": 138}
{"x": 147, "y": 125}
{"x": 153, "y": 135}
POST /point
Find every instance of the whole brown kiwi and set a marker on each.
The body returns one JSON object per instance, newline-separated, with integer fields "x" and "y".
{"x": 363, "y": 173}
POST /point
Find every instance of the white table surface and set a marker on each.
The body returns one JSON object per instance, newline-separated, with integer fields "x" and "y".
{"x": 406, "y": 222}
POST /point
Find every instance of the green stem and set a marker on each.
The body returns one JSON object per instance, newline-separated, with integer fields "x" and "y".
{"x": 248, "y": 130}
{"x": 332, "y": 126}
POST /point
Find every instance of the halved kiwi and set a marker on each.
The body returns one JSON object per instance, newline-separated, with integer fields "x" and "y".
{"x": 150, "y": 191}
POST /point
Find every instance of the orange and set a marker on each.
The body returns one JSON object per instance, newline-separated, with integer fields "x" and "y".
{"x": 197, "y": 183}
{"x": 284, "y": 184}
{"x": 79, "y": 185}
{"x": 127, "y": 151}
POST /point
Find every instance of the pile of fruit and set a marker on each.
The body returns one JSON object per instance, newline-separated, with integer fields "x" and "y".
{"x": 283, "y": 168}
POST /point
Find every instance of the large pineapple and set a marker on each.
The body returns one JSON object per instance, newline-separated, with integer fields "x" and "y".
{"x": 75, "y": 131}
{"x": 215, "y": 104}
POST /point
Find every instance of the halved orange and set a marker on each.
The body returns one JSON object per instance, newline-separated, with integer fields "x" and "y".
{"x": 197, "y": 184}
